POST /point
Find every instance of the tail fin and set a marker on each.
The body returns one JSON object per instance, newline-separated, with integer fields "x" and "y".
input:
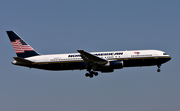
{"x": 21, "y": 48}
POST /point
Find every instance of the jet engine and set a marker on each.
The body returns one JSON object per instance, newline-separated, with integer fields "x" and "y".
{"x": 116, "y": 64}
{"x": 111, "y": 65}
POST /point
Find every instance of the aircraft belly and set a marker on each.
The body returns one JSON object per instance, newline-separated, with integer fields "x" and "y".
{"x": 61, "y": 66}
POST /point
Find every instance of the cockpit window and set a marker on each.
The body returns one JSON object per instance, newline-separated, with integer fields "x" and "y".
{"x": 164, "y": 53}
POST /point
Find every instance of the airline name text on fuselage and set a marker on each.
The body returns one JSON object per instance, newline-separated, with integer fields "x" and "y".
{"x": 98, "y": 54}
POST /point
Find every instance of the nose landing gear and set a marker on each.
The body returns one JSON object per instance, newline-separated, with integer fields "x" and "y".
{"x": 159, "y": 66}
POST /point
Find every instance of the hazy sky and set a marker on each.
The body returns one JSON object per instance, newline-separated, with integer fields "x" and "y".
{"x": 63, "y": 26}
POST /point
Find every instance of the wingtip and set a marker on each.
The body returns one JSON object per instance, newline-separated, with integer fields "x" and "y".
{"x": 81, "y": 50}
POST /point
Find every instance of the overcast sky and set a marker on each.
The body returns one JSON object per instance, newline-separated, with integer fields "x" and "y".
{"x": 64, "y": 26}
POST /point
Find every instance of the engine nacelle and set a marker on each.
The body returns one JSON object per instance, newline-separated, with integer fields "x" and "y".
{"x": 115, "y": 64}
{"x": 110, "y": 66}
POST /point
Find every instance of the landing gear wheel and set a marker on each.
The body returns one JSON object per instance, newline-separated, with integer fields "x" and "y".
{"x": 87, "y": 74}
{"x": 159, "y": 66}
{"x": 158, "y": 70}
{"x": 91, "y": 75}
{"x": 95, "y": 73}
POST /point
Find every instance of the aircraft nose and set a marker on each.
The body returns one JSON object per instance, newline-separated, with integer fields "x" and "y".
{"x": 168, "y": 58}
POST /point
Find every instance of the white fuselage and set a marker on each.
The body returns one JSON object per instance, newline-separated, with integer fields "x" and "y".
{"x": 74, "y": 60}
{"x": 111, "y": 55}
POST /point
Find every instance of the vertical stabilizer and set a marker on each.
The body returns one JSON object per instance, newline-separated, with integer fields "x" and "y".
{"x": 21, "y": 48}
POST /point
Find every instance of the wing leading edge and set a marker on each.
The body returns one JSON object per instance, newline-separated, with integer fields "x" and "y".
{"x": 90, "y": 58}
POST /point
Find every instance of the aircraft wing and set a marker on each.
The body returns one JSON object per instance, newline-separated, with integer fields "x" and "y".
{"x": 90, "y": 58}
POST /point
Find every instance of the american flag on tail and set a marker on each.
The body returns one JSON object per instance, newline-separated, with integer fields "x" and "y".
{"x": 19, "y": 48}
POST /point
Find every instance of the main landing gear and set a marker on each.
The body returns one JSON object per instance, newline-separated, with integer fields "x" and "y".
{"x": 159, "y": 66}
{"x": 91, "y": 74}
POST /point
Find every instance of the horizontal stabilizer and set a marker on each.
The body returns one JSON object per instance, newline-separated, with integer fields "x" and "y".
{"x": 19, "y": 59}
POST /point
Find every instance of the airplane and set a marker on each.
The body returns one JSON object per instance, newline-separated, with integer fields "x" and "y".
{"x": 105, "y": 62}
